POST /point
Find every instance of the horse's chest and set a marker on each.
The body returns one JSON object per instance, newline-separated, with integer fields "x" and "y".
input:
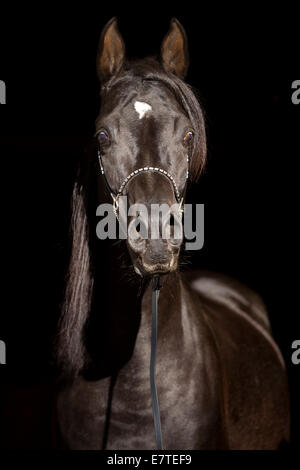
{"x": 188, "y": 418}
{"x": 131, "y": 420}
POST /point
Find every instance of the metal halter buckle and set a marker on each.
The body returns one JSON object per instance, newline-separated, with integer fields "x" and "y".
{"x": 115, "y": 204}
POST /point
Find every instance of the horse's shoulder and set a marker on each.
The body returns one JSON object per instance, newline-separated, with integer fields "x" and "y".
{"x": 229, "y": 292}
{"x": 220, "y": 294}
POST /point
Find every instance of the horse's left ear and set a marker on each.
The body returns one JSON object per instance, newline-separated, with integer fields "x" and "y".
{"x": 174, "y": 50}
{"x": 111, "y": 51}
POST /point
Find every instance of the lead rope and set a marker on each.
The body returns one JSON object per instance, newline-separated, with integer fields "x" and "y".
{"x": 155, "y": 405}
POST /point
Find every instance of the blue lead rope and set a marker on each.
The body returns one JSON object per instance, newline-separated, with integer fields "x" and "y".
{"x": 155, "y": 405}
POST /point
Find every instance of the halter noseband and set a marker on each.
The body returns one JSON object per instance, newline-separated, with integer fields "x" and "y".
{"x": 115, "y": 196}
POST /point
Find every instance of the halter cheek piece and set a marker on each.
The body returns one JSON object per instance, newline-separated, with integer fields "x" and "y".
{"x": 115, "y": 196}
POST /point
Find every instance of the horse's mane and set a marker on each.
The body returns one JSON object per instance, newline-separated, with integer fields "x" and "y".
{"x": 70, "y": 351}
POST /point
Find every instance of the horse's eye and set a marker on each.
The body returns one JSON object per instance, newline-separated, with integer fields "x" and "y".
{"x": 188, "y": 138}
{"x": 103, "y": 138}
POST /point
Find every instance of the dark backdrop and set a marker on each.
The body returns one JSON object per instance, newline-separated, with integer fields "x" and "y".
{"x": 243, "y": 66}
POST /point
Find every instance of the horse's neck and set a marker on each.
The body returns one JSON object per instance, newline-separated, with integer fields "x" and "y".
{"x": 169, "y": 309}
{"x": 126, "y": 334}
{"x": 173, "y": 326}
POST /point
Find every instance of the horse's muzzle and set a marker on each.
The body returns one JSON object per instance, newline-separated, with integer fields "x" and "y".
{"x": 155, "y": 250}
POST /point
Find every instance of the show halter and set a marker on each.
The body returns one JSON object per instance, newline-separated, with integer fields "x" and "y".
{"x": 115, "y": 195}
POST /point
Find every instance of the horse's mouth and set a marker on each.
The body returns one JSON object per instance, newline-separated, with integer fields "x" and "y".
{"x": 144, "y": 269}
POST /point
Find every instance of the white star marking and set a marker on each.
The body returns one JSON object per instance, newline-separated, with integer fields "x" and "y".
{"x": 142, "y": 108}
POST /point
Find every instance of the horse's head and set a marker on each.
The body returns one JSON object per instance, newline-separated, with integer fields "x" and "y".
{"x": 150, "y": 120}
{"x": 151, "y": 139}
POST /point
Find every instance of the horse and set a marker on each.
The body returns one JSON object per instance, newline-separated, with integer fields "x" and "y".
{"x": 221, "y": 379}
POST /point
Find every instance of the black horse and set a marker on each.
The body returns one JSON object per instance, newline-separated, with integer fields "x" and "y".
{"x": 220, "y": 376}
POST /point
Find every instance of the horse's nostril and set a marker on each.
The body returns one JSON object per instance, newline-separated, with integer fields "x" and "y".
{"x": 137, "y": 233}
{"x": 139, "y": 229}
{"x": 172, "y": 220}
{"x": 173, "y": 230}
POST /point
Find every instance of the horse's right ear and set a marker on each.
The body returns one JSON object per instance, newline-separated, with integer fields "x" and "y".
{"x": 174, "y": 50}
{"x": 111, "y": 51}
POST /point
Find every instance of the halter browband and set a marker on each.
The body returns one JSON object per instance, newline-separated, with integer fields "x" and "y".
{"x": 115, "y": 196}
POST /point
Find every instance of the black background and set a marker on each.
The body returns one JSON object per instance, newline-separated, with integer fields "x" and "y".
{"x": 243, "y": 63}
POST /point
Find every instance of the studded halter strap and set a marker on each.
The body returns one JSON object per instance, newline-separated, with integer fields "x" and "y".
{"x": 133, "y": 174}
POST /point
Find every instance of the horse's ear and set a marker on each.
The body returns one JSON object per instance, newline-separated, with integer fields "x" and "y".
{"x": 174, "y": 50}
{"x": 111, "y": 51}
